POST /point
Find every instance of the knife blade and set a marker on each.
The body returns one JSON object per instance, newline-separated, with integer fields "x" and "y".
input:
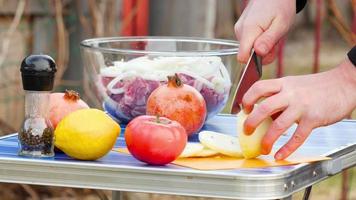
{"x": 251, "y": 73}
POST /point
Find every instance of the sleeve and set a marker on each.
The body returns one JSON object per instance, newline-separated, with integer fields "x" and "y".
{"x": 300, "y": 5}
{"x": 352, "y": 55}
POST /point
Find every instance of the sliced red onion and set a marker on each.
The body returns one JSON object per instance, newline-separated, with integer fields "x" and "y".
{"x": 199, "y": 78}
{"x": 117, "y": 79}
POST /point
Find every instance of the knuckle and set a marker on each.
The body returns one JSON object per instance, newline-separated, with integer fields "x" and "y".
{"x": 279, "y": 125}
{"x": 269, "y": 40}
{"x": 289, "y": 94}
{"x": 284, "y": 80}
{"x": 247, "y": 27}
{"x": 237, "y": 26}
{"x": 303, "y": 103}
{"x": 308, "y": 118}
{"x": 283, "y": 26}
{"x": 272, "y": 54}
{"x": 288, "y": 148}
{"x": 264, "y": 109}
{"x": 246, "y": 24}
{"x": 298, "y": 139}
{"x": 285, "y": 84}
{"x": 237, "y": 30}
{"x": 313, "y": 116}
{"x": 300, "y": 136}
{"x": 257, "y": 87}
{"x": 246, "y": 100}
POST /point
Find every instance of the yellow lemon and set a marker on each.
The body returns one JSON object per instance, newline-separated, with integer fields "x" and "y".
{"x": 86, "y": 134}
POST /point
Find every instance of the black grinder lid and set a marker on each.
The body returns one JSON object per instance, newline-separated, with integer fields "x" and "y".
{"x": 37, "y": 73}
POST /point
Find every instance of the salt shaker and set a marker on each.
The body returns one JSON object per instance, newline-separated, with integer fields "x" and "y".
{"x": 36, "y": 136}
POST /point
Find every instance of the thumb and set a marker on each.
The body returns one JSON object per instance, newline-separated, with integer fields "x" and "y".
{"x": 269, "y": 58}
{"x": 268, "y": 39}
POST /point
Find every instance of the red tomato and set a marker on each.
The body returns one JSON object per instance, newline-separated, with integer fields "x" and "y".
{"x": 155, "y": 141}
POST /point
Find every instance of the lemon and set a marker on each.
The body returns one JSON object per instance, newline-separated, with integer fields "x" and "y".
{"x": 86, "y": 134}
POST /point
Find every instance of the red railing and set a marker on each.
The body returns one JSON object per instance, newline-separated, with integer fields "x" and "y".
{"x": 135, "y": 17}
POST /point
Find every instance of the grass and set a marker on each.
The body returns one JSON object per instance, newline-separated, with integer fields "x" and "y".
{"x": 331, "y": 188}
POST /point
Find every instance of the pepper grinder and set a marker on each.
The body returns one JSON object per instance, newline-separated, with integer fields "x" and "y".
{"x": 36, "y": 136}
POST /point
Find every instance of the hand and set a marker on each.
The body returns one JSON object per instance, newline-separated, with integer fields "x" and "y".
{"x": 311, "y": 101}
{"x": 261, "y": 26}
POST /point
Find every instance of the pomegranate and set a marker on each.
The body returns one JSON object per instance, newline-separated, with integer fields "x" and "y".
{"x": 179, "y": 102}
{"x": 62, "y": 104}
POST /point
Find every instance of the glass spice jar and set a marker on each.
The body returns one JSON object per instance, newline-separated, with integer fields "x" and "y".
{"x": 36, "y": 136}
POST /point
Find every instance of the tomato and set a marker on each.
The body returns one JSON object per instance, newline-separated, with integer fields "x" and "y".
{"x": 155, "y": 140}
{"x": 179, "y": 102}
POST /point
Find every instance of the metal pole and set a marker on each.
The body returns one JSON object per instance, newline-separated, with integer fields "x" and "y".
{"x": 116, "y": 195}
{"x": 344, "y": 185}
{"x": 307, "y": 193}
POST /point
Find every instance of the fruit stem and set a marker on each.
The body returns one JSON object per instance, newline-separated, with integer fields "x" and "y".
{"x": 174, "y": 81}
{"x": 157, "y": 119}
{"x": 71, "y": 95}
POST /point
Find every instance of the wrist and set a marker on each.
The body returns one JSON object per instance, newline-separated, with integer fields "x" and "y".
{"x": 349, "y": 71}
{"x": 348, "y": 75}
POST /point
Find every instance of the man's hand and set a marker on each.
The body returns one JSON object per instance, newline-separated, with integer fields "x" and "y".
{"x": 311, "y": 101}
{"x": 262, "y": 24}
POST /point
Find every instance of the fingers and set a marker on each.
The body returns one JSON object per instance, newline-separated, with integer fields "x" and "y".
{"x": 265, "y": 109}
{"x": 237, "y": 26}
{"x": 279, "y": 126}
{"x": 269, "y": 38}
{"x": 247, "y": 35}
{"x": 298, "y": 138}
{"x": 263, "y": 88}
{"x": 269, "y": 57}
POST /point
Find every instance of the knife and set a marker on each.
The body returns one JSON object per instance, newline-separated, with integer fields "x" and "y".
{"x": 251, "y": 73}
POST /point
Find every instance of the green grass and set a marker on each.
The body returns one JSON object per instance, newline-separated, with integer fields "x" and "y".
{"x": 331, "y": 188}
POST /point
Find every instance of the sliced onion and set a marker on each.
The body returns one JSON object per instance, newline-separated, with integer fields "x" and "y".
{"x": 158, "y": 68}
{"x": 199, "y": 78}
{"x": 111, "y": 71}
{"x": 117, "y": 79}
{"x": 225, "y": 74}
{"x": 156, "y": 75}
{"x": 198, "y": 85}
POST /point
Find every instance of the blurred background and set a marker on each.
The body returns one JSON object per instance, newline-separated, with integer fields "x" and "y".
{"x": 322, "y": 34}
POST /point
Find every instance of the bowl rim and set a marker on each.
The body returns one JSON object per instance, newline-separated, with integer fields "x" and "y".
{"x": 89, "y": 44}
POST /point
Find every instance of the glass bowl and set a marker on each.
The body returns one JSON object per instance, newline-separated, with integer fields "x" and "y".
{"x": 121, "y": 72}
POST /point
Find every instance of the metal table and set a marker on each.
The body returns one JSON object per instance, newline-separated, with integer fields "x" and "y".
{"x": 119, "y": 172}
